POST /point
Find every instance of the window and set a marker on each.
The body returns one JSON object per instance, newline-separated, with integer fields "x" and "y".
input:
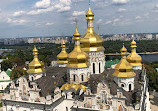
{"x": 66, "y": 109}
{"x": 74, "y": 78}
{"x": 93, "y": 68}
{"x": 32, "y": 78}
{"x": 99, "y": 67}
{"x": 122, "y": 85}
{"x": 82, "y": 78}
{"x": 130, "y": 87}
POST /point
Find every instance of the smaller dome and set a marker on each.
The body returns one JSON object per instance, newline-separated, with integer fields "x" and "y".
{"x": 89, "y": 12}
{"x": 124, "y": 68}
{"x": 123, "y": 50}
{"x": 36, "y": 66}
{"x": 63, "y": 55}
{"x": 133, "y": 44}
{"x": 77, "y": 58}
{"x": 133, "y": 58}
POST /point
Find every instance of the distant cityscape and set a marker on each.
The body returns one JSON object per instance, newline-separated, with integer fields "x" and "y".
{"x": 69, "y": 39}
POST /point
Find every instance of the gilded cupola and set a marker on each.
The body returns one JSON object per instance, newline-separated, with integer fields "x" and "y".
{"x": 77, "y": 58}
{"x": 133, "y": 58}
{"x": 124, "y": 68}
{"x": 63, "y": 55}
{"x": 36, "y": 66}
{"x": 91, "y": 41}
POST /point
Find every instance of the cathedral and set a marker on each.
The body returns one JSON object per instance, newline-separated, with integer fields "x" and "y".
{"x": 81, "y": 81}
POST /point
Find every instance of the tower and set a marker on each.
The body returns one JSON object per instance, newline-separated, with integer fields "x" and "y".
{"x": 91, "y": 43}
{"x": 36, "y": 67}
{"x": 124, "y": 74}
{"x": 133, "y": 58}
{"x": 62, "y": 56}
{"x": 78, "y": 66}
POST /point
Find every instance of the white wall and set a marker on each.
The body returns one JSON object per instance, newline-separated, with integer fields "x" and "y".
{"x": 78, "y": 72}
{"x": 96, "y": 58}
{"x": 126, "y": 81}
{"x": 4, "y": 80}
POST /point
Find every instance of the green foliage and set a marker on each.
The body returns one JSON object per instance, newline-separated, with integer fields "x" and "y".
{"x": 6, "y": 64}
{"x": 153, "y": 80}
{"x": 142, "y": 46}
{"x": 1, "y": 104}
{"x": 18, "y": 72}
{"x": 152, "y": 76}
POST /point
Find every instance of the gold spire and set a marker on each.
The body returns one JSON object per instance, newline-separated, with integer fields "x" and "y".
{"x": 133, "y": 58}
{"x": 36, "y": 66}
{"x": 77, "y": 58}
{"x": 63, "y": 55}
{"x": 90, "y": 40}
{"x": 123, "y": 69}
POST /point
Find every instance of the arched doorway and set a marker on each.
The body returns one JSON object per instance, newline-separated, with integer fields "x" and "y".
{"x": 74, "y": 78}
{"x": 66, "y": 109}
{"x": 82, "y": 77}
{"x": 130, "y": 87}
{"x": 99, "y": 67}
{"x": 93, "y": 68}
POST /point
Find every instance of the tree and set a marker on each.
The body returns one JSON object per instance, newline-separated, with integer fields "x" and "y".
{"x": 6, "y": 64}
{"x": 17, "y": 72}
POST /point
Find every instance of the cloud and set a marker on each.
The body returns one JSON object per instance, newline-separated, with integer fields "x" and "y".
{"x": 155, "y": 8}
{"x": 49, "y": 23}
{"x": 66, "y": 2}
{"x": 40, "y": 11}
{"x": 20, "y": 21}
{"x": 99, "y": 21}
{"x": 108, "y": 22}
{"x": 18, "y": 13}
{"x": 120, "y": 1}
{"x": 77, "y": 13}
{"x": 43, "y": 4}
{"x": 116, "y": 20}
{"x": 138, "y": 17}
{"x": 121, "y": 9}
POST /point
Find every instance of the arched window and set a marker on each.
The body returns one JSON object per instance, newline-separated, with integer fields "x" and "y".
{"x": 82, "y": 78}
{"x": 66, "y": 109}
{"x": 74, "y": 78}
{"x": 99, "y": 67}
{"x": 122, "y": 85}
{"x": 93, "y": 68}
{"x": 32, "y": 78}
{"x": 130, "y": 87}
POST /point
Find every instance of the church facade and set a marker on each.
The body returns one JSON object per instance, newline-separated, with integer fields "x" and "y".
{"x": 81, "y": 82}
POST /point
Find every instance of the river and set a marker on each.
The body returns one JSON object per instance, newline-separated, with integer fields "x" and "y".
{"x": 145, "y": 57}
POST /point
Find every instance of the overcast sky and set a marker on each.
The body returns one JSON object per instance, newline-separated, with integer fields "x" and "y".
{"x": 23, "y": 18}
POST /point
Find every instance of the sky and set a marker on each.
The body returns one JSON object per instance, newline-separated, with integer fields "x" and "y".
{"x": 32, "y": 18}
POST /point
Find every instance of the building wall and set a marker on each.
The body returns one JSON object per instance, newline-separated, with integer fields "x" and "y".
{"x": 125, "y": 82}
{"x": 78, "y": 73}
{"x": 4, "y": 80}
{"x": 96, "y": 58}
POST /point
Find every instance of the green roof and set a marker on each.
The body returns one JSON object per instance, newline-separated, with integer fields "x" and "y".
{"x": 109, "y": 63}
{"x": 8, "y": 72}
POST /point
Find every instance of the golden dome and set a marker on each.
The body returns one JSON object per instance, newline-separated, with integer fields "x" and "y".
{"x": 72, "y": 86}
{"x": 77, "y": 58}
{"x": 91, "y": 41}
{"x": 123, "y": 50}
{"x": 89, "y": 12}
{"x": 36, "y": 66}
{"x": 133, "y": 58}
{"x": 124, "y": 68}
{"x": 63, "y": 55}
